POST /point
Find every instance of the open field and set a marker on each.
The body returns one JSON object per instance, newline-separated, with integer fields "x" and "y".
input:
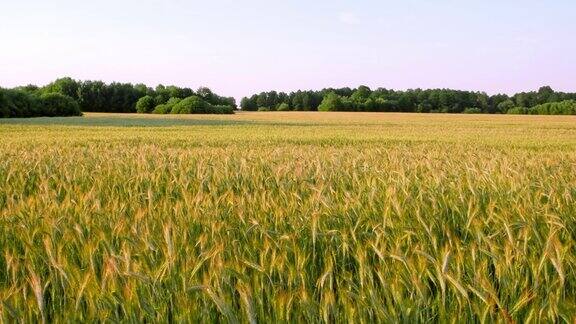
{"x": 283, "y": 217}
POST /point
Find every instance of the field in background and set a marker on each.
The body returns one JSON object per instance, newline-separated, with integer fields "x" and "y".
{"x": 288, "y": 217}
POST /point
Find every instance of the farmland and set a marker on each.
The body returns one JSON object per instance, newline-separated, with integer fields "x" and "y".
{"x": 283, "y": 217}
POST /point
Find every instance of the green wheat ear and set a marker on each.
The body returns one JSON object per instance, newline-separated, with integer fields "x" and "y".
{"x": 297, "y": 217}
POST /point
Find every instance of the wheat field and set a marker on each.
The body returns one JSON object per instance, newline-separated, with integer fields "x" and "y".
{"x": 288, "y": 217}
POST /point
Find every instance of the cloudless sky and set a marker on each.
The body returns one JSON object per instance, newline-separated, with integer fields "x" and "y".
{"x": 239, "y": 47}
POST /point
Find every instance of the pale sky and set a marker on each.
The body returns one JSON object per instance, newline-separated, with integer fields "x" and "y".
{"x": 238, "y": 48}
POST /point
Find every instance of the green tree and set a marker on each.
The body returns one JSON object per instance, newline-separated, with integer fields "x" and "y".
{"x": 473, "y": 110}
{"x": 93, "y": 96}
{"x": 4, "y": 109}
{"x": 206, "y": 94}
{"x": 145, "y": 105}
{"x": 506, "y": 105}
{"x": 161, "y": 94}
{"x": 361, "y": 94}
{"x": 262, "y": 99}
{"x": 169, "y": 105}
{"x": 190, "y": 105}
{"x": 283, "y": 107}
{"x": 517, "y": 111}
{"x": 22, "y": 104}
{"x": 544, "y": 94}
{"x": 272, "y": 100}
{"x": 567, "y": 107}
{"x": 175, "y": 92}
{"x": 297, "y": 100}
{"x": 331, "y": 102}
{"x": 56, "y": 104}
{"x": 66, "y": 86}
{"x": 249, "y": 104}
{"x": 162, "y": 109}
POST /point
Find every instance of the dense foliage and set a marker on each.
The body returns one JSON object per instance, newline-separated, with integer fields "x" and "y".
{"x": 145, "y": 105}
{"x": 57, "y": 104}
{"x": 567, "y": 107}
{"x": 97, "y": 96}
{"x": 16, "y": 103}
{"x": 188, "y": 105}
{"x": 417, "y": 100}
{"x": 122, "y": 97}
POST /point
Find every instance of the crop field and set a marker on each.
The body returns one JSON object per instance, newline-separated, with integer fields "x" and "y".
{"x": 288, "y": 217}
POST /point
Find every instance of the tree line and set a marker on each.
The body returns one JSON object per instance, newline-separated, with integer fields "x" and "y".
{"x": 566, "y": 107}
{"x": 190, "y": 105}
{"x": 68, "y": 97}
{"x": 415, "y": 100}
{"x": 20, "y": 103}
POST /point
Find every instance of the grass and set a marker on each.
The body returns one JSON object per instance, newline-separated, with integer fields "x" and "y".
{"x": 288, "y": 217}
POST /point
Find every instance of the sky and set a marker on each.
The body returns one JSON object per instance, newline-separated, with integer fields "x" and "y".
{"x": 238, "y": 48}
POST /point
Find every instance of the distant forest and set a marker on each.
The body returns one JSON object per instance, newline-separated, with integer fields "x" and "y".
{"x": 69, "y": 97}
{"x": 543, "y": 101}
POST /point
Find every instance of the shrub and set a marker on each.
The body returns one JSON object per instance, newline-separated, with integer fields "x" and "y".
{"x": 190, "y": 105}
{"x": 4, "y": 111}
{"x": 283, "y": 107}
{"x": 517, "y": 111}
{"x": 145, "y": 105}
{"x": 56, "y": 104}
{"x": 472, "y": 111}
{"x": 18, "y": 103}
{"x": 567, "y": 107}
{"x": 506, "y": 105}
{"x": 221, "y": 110}
{"x": 423, "y": 107}
{"x": 167, "y": 107}
{"x": 332, "y": 102}
{"x": 173, "y": 102}
{"x": 162, "y": 109}
{"x": 263, "y": 109}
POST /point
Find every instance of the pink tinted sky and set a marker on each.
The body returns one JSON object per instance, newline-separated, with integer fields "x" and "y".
{"x": 241, "y": 47}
